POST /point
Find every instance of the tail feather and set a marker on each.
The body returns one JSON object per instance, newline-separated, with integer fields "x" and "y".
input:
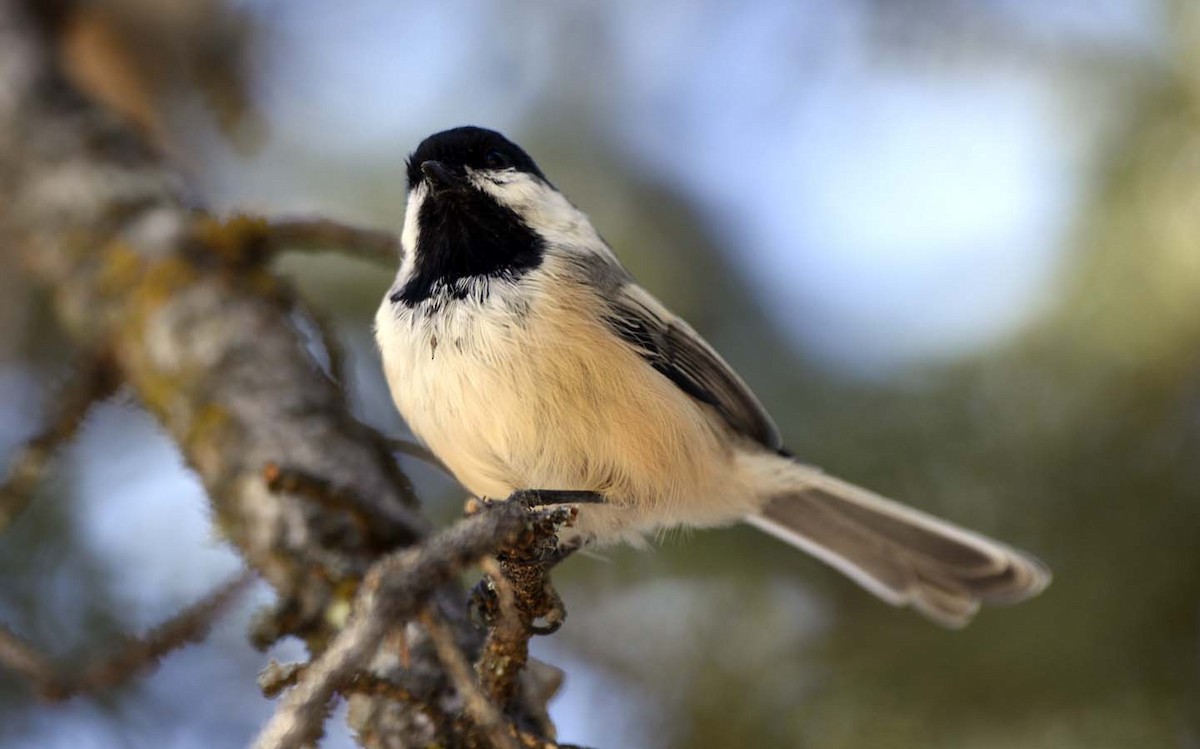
{"x": 902, "y": 555}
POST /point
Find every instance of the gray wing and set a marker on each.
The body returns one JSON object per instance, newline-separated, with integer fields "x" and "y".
{"x": 679, "y": 353}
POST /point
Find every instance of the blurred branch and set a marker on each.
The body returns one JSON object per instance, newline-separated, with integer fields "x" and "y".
{"x": 321, "y": 322}
{"x": 277, "y": 677}
{"x": 92, "y": 381}
{"x": 420, "y": 452}
{"x": 136, "y": 657}
{"x": 482, "y": 709}
{"x": 387, "y": 528}
{"x": 484, "y": 712}
{"x": 324, "y": 235}
{"x": 202, "y": 332}
{"x": 196, "y": 326}
{"x": 20, "y": 656}
{"x": 134, "y": 56}
{"x": 248, "y": 239}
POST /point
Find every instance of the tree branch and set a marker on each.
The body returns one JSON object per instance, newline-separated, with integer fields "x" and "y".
{"x": 325, "y": 235}
{"x": 136, "y": 656}
{"x": 92, "y": 381}
{"x": 517, "y": 594}
{"x": 394, "y": 590}
{"x": 201, "y": 331}
{"x": 197, "y": 329}
{"x": 485, "y": 714}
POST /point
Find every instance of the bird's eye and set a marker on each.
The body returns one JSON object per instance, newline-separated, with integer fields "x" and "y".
{"x": 497, "y": 160}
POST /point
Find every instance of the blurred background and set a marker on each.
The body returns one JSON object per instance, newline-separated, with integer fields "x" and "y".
{"x": 953, "y": 245}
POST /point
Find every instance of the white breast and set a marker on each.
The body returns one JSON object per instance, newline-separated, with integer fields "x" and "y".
{"x": 442, "y": 371}
{"x": 515, "y": 389}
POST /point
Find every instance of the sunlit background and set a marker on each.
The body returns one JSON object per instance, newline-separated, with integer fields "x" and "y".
{"x": 954, "y": 245}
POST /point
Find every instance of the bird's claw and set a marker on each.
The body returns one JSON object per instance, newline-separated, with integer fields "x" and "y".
{"x": 546, "y": 498}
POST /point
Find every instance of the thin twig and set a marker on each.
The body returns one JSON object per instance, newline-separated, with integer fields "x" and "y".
{"x": 505, "y": 650}
{"x": 334, "y": 353}
{"x": 93, "y": 214}
{"x": 92, "y": 381}
{"x": 367, "y": 683}
{"x": 192, "y": 624}
{"x": 506, "y": 597}
{"x": 520, "y": 578}
{"x": 393, "y": 591}
{"x": 388, "y": 525}
{"x": 420, "y": 452}
{"x": 324, "y": 235}
{"x": 19, "y": 655}
{"x": 324, "y": 329}
{"x": 482, "y": 711}
{"x": 135, "y": 656}
{"x": 277, "y": 677}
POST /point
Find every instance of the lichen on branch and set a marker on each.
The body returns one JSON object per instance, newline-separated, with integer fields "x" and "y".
{"x": 197, "y": 327}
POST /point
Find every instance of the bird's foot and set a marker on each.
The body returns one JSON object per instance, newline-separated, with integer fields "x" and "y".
{"x": 536, "y": 498}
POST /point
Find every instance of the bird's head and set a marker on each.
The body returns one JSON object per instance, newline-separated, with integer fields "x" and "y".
{"x": 478, "y": 205}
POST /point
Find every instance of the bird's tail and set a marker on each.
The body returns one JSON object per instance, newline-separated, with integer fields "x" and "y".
{"x": 902, "y": 555}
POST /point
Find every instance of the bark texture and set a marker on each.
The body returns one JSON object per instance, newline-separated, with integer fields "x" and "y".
{"x": 190, "y": 317}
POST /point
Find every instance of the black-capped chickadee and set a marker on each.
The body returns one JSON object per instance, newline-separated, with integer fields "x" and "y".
{"x": 525, "y": 356}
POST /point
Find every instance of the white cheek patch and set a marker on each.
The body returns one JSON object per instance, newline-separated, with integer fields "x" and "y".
{"x": 411, "y": 231}
{"x": 510, "y": 187}
{"x": 543, "y": 208}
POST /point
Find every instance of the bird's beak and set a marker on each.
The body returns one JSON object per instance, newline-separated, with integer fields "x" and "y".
{"x": 440, "y": 177}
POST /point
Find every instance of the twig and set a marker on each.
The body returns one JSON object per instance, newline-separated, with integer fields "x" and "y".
{"x": 93, "y": 381}
{"x": 505, "y": 649}
{"x": 520, "y": 579}
{"x": 329, "y": 341}
{"x": 190, "y": 625}
{"x": 367, "y": 683}
{"x": 242, "y": 240}
{"x": 506, "y": 597}
{"x": 277, "y": 677}
{"x": 482, "y": 711}
{"x": 324, "y": 235}
{"x": 390, "y": 526}
{"x": 420, "y": 452}
{"x": 324, "y": 329}
{"x": 244, "y": 243}
{"x": 137, "y": 655}
{"x": 19, "y": 655}
{"x": 91, "y": 212}
{"x": 393, "y": 591}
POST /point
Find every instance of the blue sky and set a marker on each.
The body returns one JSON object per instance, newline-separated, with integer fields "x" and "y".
{"x": 890, "y": 208}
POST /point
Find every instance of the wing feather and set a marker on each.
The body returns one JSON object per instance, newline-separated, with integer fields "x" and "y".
{"x": 677, "y": 352}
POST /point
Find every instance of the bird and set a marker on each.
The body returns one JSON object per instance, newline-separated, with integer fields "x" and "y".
{"x": 525, "y": 356}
